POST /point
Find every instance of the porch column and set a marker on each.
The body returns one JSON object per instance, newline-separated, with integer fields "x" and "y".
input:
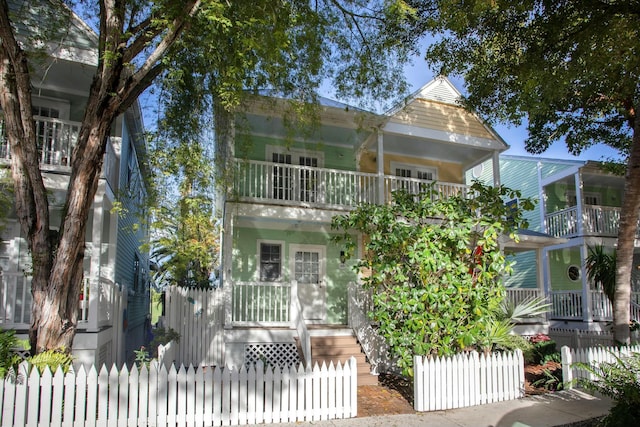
{"x": 495, "y": 160}
{"x": 380, "y": 164}
{"x": 93, "y": 312}
{"x": 227, "y": 264}
{"x": 579, "y": 203}
{"x": 587, "y": 316}
{"x": 543, "y": 200}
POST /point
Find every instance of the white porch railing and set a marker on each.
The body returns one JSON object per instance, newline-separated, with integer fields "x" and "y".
{"x": 301, "y": 185}
{"x": 261, "y": 303}
{"x": 301, "y": 327}
{"x": 563, "y": 223}
{"x": 15, "y": 300}
{"x": 373, "y": 345}
{"x": 98, "y": 302}
{"x": 519, "y": 295}
{"x": 596, "y": 220}
{"x": 55, "y": 138}
{"x": 291, "y": 184}
{"x": 416, "y": 186}
{"x": 566, "y": 305}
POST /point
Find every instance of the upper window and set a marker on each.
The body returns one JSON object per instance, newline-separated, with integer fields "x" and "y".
{"x": 414, "y": 171}
{"x": 270, "y": 262}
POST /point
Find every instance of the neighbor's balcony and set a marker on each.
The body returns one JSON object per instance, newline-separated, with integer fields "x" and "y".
{"x": 596, "y": 220}
{"x": 275, "y": 183}
{"x": 56, "y": 140}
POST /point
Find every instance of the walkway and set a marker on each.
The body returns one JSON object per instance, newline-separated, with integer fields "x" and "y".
{"x": 564, "y": 408}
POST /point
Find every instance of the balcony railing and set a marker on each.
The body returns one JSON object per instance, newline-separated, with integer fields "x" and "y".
{"x": 277, "y": 183}
{"x": 55, "y": 139}
{"x": 596, "y": 220}
{"x": 261, "y": 303}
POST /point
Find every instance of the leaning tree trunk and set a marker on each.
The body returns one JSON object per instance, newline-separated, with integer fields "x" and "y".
{"x": 626, "y": 241}
{"x": 31, "y": 203}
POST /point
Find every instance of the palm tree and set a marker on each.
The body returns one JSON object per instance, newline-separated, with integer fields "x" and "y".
{"x": 601, "y": 269}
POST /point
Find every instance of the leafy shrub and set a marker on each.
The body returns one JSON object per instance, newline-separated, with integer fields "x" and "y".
{"x": 8, "y": 359}
{"x": 162, "y": 336}
{"x": 52, "y": 359}
{"x": 543, "y": 350}
{"x": 619, "y": 380}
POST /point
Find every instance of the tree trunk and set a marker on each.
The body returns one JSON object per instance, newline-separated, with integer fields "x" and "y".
{"x": 626, "y": 241}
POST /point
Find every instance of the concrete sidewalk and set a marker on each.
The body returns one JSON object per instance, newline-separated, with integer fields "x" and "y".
{"x": 548, "y": 410}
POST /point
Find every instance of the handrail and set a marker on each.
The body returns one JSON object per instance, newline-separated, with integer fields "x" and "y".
{"x": 373, "y": 344}
{"x": 297, "y": 319}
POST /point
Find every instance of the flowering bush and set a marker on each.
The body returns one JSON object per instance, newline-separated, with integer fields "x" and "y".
{"x": 542, "y": 351}
{"x": 538, "y": 338}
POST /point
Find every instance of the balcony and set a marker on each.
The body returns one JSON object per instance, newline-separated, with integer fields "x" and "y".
{"x": 284, "y": 184}
{"x": 56, "y": 140}
{"x": 596, "y": 220}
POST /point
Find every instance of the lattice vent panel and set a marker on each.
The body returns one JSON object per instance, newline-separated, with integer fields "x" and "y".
{"x": 276, "y": 354}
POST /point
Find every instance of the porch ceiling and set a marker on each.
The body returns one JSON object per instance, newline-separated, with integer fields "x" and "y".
{"x": 595, "y": 178}
{"x": 333, "y": 132}
{"x": 445, "y": 151}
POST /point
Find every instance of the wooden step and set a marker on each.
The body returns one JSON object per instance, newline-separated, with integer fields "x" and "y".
{"x": 340, "y": 348}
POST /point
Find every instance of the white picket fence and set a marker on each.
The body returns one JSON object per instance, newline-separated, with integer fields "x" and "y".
{"x": 467, "y": 380}
{"x": 592, "y": 356}
{"x": 185, "y": 397}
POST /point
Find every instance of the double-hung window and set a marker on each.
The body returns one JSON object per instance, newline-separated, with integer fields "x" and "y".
{"x": 270, "y": 262}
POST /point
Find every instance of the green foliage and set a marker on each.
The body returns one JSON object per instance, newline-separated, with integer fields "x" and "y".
{"x": 569, "y": 68}
{"x": 142, "y": 357}
{"x": 161, "y": 336}
{"x": 52, "y": 359}
{"x": 601, "y": 270}
{"x": 619, "y": 380}
{"x": 543, "y": 349}
{"x": 435, "y": 266}
{"x": 8, "y": 359}
{"x": 551, "y": 380}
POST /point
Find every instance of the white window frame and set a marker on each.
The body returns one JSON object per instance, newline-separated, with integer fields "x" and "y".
{"x": 296, "y": 153}
{"x": 61, "y": 105}
{"x": 259, "y": 243}
{"x": 414, "y": 169}
{"x": 571, "y": 196}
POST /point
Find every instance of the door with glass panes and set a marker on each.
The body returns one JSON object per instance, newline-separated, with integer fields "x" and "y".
{"x": 308, "y": 269}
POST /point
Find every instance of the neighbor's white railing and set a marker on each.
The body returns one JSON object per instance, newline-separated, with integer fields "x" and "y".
{"x": 291, "y": 184}
{"x": 518, "y": 295}
{"x": 563, "y": 223}
{"x": 566, "y": 305}
{"x": 601, "y": 220}
{"x": 55, "y": 139}
{"x": 206, "y": 396}
{"x": 15, "y": 300}
{"x": 591, "y": 356}
{"x": 467, "y": 380}
{"x": 261, "y": 303}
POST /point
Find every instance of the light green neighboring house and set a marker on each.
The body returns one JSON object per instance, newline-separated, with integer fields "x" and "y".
{"x": 580, "y": 203}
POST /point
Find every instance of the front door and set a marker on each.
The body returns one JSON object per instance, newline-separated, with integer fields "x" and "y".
{"x": 307, "y": 266}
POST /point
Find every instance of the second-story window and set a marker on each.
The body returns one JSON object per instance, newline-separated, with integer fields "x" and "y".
{"x": 412, "y": 173}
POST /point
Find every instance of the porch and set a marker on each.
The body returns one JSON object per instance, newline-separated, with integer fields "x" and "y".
{"x": 570, "y": 305}
{"x": 594, "y": 221}
{"x": 100, "y": 302}
{"x": 285, "y": 184}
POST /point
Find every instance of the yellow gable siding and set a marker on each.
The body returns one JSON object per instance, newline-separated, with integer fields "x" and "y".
{"x": 447, "y": 172}
{"x": 443, "y": 117}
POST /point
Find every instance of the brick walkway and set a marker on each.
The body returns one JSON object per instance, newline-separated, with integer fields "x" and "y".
{"x": 379, "y": 400}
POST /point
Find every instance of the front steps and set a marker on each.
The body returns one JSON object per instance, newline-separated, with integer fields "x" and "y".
{"x": 339, "y": 346}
